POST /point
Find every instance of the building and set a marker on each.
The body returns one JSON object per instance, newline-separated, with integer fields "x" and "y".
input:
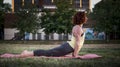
{"x": 78, "y": 4}
{"x": 9, "y": 32}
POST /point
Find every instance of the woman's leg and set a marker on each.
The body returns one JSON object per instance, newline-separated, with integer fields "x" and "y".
{"x": 25, "y": 53}
{"x": 62, "y": 50}
{"x": 57, "y": 51}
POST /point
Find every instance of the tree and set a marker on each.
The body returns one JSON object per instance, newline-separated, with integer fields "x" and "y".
{"x": 4, "y": 8}
{"x": 58, "y": 21}
{"x": 107, "y": 14}
{"x": 27, "y": 21}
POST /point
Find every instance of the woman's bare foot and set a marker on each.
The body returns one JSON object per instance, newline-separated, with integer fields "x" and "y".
{"x": 25, "y": 53}
{"x": 7, "y": 55}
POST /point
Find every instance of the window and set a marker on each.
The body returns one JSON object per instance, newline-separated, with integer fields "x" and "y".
{"x": 85, "y": 4}
{"x": 17, "y": 4}
{"x": 77, "y": 3}
{"x": 27, "y": 3}
{"x": 47, "y": 2}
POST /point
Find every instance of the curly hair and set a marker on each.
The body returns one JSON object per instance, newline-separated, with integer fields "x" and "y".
{"x": 79, "y": 18}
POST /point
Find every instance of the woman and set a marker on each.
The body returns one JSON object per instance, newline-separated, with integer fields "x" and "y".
{"x": 72, "y": 46}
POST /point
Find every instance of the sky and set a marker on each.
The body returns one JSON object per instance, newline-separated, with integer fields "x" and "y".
{"x": 93, "y": 2}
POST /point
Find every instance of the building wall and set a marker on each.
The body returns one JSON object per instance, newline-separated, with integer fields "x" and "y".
{"x": 78, "y": 4}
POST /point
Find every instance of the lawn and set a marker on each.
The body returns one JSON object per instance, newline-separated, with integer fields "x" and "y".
{"x": 110, "y": 53}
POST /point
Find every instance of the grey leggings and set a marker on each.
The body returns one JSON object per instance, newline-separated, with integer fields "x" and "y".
{"x": 61, "y": 50}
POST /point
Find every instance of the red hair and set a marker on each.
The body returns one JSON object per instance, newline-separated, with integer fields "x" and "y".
{"x": 79, "y": 18}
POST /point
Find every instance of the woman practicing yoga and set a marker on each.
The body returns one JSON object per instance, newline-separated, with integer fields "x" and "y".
{"x": 72, "y": 46}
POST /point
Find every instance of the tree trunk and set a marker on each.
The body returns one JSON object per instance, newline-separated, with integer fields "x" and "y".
{"x": 2, "y": 33}
{"x": 66, "y": 36}
{"x": 39, "y": 36}
{"x": 52, "y": 36}
{"x": 46, "y": 36}
{"x": 33, "y": 36}
{"x": 107, "y": 37}
{"x": 60, "y": 37}
{"x": 18, "y": 36}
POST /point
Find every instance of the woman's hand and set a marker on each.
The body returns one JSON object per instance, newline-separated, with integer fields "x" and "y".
{"x": 74, "y": 55}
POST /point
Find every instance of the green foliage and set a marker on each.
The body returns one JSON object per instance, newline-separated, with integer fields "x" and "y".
{"x": 58, "y": 21}
{"x": 107, "y": 14}
{"x": 48, "y": 22}
{"x": 1, "y": 13}
{"x": 27, "y": 20}
{"x": 4, "y": 7}
{"x": 1, "y": 18}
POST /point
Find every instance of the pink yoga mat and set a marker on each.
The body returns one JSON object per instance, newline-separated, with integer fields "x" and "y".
{"x": 86, "y": 56}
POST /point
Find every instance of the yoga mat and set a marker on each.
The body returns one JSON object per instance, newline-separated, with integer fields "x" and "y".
{"x": 86, "y": 56}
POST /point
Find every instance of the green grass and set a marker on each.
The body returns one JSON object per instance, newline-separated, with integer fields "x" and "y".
{"x": 111, "y": 57}
{"x": 47, "y": 42}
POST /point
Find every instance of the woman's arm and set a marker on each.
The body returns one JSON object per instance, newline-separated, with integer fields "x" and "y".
{"x": 77, "y": 31}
